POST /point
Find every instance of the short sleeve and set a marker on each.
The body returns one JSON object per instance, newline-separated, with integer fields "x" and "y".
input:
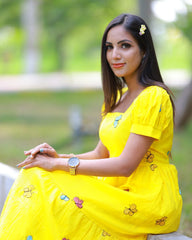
{"x": 152, "y": 112}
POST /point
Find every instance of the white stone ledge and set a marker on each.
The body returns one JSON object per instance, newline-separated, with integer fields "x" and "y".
{"x": 7, "y": 177}
{"x": 169, "y": 236}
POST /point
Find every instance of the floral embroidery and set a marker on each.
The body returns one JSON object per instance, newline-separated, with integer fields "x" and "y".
{"x": 104, "y": 234}
{"x": 169, "y": 155}
{"x": 127, "y": 189}
{"x": 161, "y": 221}
{"x": 180, "y": 191}
{"x": 28, "y": 191}
{"x": 78, "y": 202}
{"x": 160, "y": 108}
{"x": 65, "y": 239}
{"x": 153, "y": 166}
{"x": 131, "y": 210}
{"x": 64, "y": 197}
{"x": 30, "y": 238}
{"x": 116, "y": 122}
{"x": 149, "y": 158}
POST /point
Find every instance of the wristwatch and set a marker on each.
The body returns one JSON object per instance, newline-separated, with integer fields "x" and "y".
{"x": 73, "y": 163}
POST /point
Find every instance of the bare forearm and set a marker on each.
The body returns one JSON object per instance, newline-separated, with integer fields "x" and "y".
{"x": 86, "y": 156}
{"x": 99, "y": 152}
{"x": 123, "y": 165}
{"x": 106, "y": 167}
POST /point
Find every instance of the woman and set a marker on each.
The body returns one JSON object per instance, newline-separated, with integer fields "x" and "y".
{"x": 125, "y": 188}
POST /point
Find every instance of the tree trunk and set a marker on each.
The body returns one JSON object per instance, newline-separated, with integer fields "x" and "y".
{"x": 59, "y": 49}
{"x": 30, "y": 22}
{"x": 145, "y": 10}
{"x": 183, "y": 106}
{"x": 183, "y": 103}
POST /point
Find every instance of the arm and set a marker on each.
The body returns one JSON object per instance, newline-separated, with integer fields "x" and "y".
{"x": 124, "y": 165}
{"x": 99, "y": 152}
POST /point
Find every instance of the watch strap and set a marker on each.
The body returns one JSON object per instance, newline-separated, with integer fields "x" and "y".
{"x": 72, "y": 170}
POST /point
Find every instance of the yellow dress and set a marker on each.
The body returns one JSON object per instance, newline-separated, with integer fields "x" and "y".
{"x": 57, "y": 206}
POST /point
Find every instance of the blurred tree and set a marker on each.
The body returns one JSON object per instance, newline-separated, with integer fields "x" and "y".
{"x": 61, "y": 18}
{"x": 30, "y": 23}
{"x": 10, "y": 13}
{"x": 145, "y": 10}
{"x": 184, "y": 101}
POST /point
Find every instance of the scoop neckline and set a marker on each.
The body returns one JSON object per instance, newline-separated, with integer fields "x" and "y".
{"x": 132, "y": 102}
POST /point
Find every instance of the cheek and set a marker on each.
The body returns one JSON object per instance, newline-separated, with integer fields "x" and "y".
{"x": 137, "y": 58}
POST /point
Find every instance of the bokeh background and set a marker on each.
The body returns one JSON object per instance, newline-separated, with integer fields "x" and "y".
{"x": 50, "y": 84}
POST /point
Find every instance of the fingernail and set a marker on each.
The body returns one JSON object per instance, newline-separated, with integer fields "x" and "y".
{"x": 24, "y": 167}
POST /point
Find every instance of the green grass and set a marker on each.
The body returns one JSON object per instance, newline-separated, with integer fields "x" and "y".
{"x": 28, "y": 119}
{"x": 182, "y": 158}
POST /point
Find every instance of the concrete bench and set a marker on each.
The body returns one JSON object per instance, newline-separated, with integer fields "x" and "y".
{"x": 7, "y": 177}
{"x": 169, "y": 236}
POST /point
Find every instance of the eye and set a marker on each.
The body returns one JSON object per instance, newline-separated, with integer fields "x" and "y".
{"x": 108, "y": 47}
{"x": 126, "y": 45}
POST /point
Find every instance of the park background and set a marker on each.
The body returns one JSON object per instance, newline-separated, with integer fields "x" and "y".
{"x": 50, "y": 86}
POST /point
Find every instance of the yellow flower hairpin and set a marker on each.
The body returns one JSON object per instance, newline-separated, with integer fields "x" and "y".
{"x": 142, "y": 29}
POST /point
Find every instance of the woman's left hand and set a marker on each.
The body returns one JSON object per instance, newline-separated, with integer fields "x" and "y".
{"x": 41, "y": 161}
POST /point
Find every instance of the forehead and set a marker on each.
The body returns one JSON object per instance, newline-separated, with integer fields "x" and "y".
{"x": 119, "y": 33}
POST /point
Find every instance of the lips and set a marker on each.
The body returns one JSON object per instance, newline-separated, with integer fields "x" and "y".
{"x": 118, "y": 65}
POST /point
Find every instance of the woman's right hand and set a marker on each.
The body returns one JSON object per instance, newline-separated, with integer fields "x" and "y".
{"x": 42, "y": 148}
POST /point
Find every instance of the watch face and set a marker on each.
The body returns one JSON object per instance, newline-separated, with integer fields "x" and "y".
{"x": 73, "y": 162}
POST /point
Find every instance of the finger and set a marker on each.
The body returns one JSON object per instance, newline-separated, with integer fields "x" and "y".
{"x": 26, "y": 161}
{"x": 37, "y": 150}
{"x": 40, "y": 148}
{"x": 32, "y": 150}
{"x": 31, "y": 165}
{"x": 49, "y": 151}
{"x": 28, "y": 152}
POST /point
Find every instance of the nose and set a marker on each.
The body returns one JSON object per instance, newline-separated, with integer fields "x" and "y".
{"x": 115, "y": 53}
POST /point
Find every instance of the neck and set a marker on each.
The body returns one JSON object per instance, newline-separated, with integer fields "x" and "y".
{"x": 134, "y": 87}
{"x": 133, "y": 84}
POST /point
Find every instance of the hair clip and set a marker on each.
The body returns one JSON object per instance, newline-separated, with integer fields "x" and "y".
{"x": 142, "y": 29}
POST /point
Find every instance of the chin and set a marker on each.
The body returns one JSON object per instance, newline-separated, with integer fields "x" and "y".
{"x": 119, "y": 75}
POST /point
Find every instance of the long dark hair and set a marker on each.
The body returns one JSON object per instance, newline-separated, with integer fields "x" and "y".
{"x": 149, "y": 73}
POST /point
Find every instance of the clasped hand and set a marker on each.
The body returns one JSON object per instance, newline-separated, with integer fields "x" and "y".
{"x": 42, "y": 156}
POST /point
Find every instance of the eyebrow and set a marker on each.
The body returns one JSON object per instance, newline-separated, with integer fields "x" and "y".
{"x": 124, "y": 40}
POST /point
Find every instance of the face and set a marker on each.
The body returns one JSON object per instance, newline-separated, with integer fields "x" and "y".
{"x": 123, "y": 53}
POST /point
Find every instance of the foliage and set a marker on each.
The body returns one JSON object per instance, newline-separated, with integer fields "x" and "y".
{"x": 184, "y": 24}
{"x": 10, "y": 13}
{"x": 62, "y": 22}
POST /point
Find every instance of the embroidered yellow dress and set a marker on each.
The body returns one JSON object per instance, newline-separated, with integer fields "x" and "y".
{"x": 57, "y": 206}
